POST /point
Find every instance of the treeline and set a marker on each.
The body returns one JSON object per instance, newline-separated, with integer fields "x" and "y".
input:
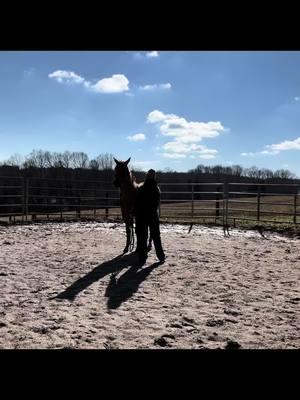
{"x": 45, "y": 163}
{"x": 238, "y": 171}
{"x": 67, "y": 159}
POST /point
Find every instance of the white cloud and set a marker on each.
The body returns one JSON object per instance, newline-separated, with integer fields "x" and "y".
{"x": 145, "y": 55}
{"x": 115, "y": 84}
{"x": 137, "y": 137}
{"x": 273, "y": 149}
{"x": 268, "y": 152}
{"x": 157, "y": 86}
{"x": 187, "y": 148}
{"x": 155, "y": 116}
{"x": 286, "y": 145}
{"x": 207, "y": 156}
{"x": 297, "y": 98}
{"x": 165, "y": 85}
{"x": 173, "y": 155}
{"x": 183, "y": 130}
{"x": 186, "y": 134}
{"x": 152, "y": 54}
{"x": 66, "y": 77}
{"x": 258, "y": 153}
{"x": 250, "y": 154}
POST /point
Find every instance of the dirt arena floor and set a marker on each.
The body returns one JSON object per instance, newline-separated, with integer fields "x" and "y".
{"x": 67, "y": 285}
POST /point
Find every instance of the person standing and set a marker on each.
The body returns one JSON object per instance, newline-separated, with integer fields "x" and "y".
{"x": 147, "y": 205}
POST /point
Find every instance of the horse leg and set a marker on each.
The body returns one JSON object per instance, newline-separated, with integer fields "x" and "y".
{"x": 128, "y": 237}
{"x": 149, "y": 247}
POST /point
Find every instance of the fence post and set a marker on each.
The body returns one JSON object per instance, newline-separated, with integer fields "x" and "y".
{"x": 47, "y": 207}
{"x": 78, "y": 211}
{"x": 95, "y": 203}
{"x": 217, "y": 203}
{"x": 106, "y": 209}
{"x": 258, "y": 204}
{"x": 295, "y": 209}
{"x": 23, "y": 197}
{"x": 225, "y": 205}
{"x": 26, "y": 192}
{"x": 61, "y": 208}
{"x": 192, "y": 202}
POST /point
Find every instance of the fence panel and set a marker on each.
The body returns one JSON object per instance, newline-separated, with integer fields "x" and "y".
{"x": 224, "y": 203}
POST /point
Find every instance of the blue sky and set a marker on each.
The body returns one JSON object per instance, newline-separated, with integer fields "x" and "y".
{"x": 164, "y": 109}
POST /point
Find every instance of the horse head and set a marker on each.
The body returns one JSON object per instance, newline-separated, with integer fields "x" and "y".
{"x": 121, "y": 171}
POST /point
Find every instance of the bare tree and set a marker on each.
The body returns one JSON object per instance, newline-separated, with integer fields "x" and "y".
{"x": 94, "y": 164}
{"x": 106, "y": 161}
{"x": 266, "y": 173}
{"x": 57, "y": 161}
{"x": 79, "y": 160}
{"x": 237, "y": 170}
{"x": 284, "y": 174}
{"x": 48, "y": 159}
{"x": 66, "y": 158}
{"x": 16, "y": 160}
{"x": 251, "y": 172}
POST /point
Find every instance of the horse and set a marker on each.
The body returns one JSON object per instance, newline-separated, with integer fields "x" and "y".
{"x": 128, "y": 192}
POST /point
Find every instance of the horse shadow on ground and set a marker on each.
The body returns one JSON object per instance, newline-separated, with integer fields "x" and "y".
{"x": 118, "y": 290}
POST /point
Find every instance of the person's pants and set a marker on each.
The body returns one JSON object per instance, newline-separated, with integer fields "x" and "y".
{"x": 142, "y": 225}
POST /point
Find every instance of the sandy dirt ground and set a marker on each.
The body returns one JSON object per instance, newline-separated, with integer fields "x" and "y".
{"x": 66, "y": 285}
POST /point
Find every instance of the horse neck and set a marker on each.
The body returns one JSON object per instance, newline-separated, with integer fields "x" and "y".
{"x": 128, "y": 184}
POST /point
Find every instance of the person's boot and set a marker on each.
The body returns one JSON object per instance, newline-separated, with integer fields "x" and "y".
{"x": 161, "y": 257}
{"x": 142, "y": 257}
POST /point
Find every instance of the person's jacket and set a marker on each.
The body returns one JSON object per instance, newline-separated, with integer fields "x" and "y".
{"x": 148, "y": 199}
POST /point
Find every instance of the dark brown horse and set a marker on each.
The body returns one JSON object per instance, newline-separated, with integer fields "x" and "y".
{"x": 128, "y": 192}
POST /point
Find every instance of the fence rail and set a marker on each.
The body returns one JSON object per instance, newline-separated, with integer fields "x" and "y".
{"x": 33, "y": 198}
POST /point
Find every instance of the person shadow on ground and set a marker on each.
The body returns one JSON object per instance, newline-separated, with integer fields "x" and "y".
{"x": 122, "y": 289}
{"x": 106, "y": 268}
{"x": 117, "y": 290}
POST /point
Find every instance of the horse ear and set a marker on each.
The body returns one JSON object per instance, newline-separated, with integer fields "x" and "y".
{"x": 116, "y": 161}
{"x": 127, "y": 162}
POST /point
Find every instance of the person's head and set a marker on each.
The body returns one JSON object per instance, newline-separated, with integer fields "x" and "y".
{"x": 150, "y": 174}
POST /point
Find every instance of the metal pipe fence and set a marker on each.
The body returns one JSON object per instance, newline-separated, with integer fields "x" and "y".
{"x": 224, "y": 203}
